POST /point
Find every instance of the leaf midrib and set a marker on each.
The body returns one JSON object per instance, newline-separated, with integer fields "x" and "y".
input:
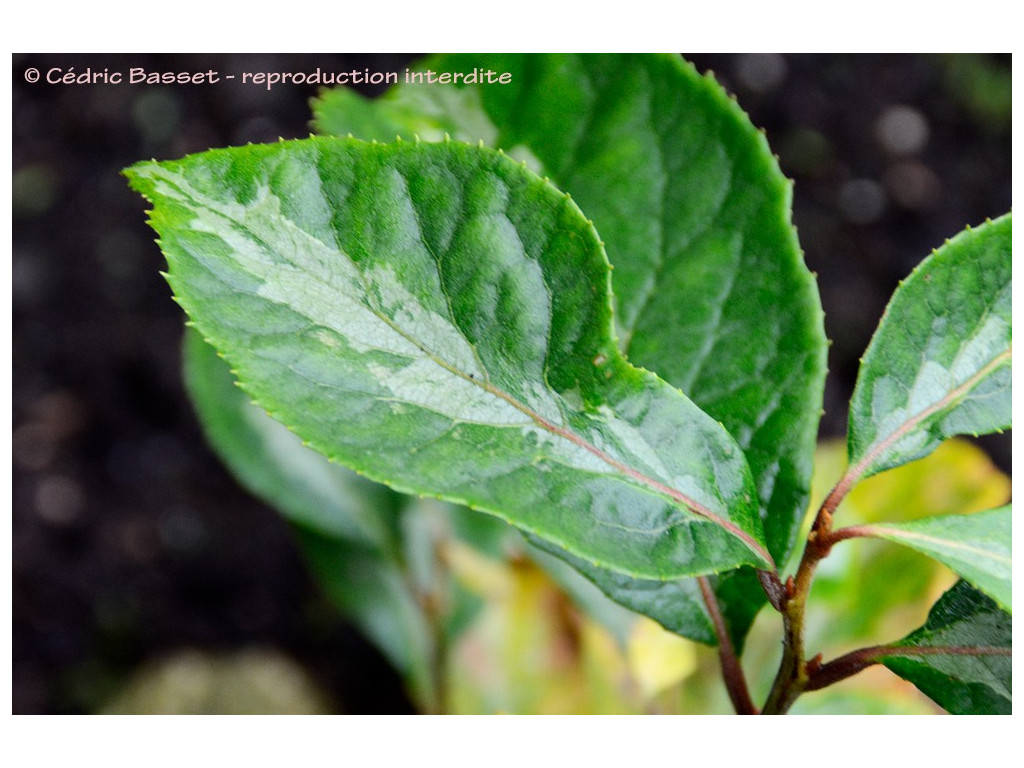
{"x": 899, "y": 533}
{"x": 950, "y": 399}
{"x": 635, "y": 475}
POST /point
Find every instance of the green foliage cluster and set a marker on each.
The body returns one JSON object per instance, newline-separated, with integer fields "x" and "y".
{"x": 424, "y": 293}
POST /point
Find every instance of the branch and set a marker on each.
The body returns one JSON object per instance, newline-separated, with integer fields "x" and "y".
{"x": 794, "y": 672}
{"x": 859, "y": 660}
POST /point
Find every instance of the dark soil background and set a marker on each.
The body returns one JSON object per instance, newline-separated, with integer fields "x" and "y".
{"x": 130, "y": 540}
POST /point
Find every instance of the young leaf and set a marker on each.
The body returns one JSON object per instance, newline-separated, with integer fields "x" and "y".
{"x": 712, "y": 293}
{"x": 939, "y": 363}
{"x": 438, "y": 318}
{"x": 428, "y": 114}
{"x": 961, "y": 656}
{"x": 976, "y": 547}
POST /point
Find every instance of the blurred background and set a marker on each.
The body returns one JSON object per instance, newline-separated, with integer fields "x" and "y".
{"x": 132, "y": 544}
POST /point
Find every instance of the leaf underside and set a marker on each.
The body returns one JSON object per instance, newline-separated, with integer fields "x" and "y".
{"x": 438, "y": 318}
{"x": 961, "y": 658}
{"x": 676, "y": 604}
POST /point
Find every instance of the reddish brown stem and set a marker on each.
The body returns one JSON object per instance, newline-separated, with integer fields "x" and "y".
{"x": 794, "y": 674}
{"x": 732, "y": 672}
{"x": 856, "y": 661}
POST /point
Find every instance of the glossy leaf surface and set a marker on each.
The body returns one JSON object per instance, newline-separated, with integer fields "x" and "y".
{"x": 711, "y": 290}
{"x": 711, "y": 287}
{"x": 438, "y": 318}
{"x": 976, "y": 547}
{"x": 961, "y": 656}
{"x": 939, "y": 363}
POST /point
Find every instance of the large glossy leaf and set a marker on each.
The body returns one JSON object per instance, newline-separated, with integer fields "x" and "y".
{"x": 976, "y": 547}
{"x": 961, "y": 656}
{"x": 711, "y": 289}
{"x": 438, "y": 318}
{"x": 939, "y": 363}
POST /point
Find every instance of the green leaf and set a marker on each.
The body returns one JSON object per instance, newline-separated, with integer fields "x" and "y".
{"x": 939, "y": 363}
{"x": 676, "y": 604}
{"x": 350, "y": 528}
{"x": 854, "y": 590}
{"x": 365, "y": 543}
{"x": 438, "y": 318}
{"x": 711, "y": 289}
{"x": 961, "y": 656}
{"x": 374, "y": 593}
{"x": 429, "y": 114}
{"x": 273, "y": 465}
{"x": 976, "y": 547}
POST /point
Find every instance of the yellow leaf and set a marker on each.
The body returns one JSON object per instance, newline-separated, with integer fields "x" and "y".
{"x": 658, "y": 658}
